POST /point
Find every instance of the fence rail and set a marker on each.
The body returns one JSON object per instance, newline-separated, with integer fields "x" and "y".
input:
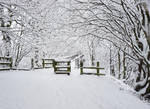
{"x": 97, "y": 68}
{"x": 5, "y": 63}
{"x": 48, "y": 63}
{"x": 62, "y": 67}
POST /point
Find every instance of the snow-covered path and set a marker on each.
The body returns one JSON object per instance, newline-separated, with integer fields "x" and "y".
{"x": 41, "y": 89}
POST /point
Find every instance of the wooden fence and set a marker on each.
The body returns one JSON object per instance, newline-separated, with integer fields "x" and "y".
{"x": 33, "y": 66}
{"x": 97, "y": 68}
{"x": 48, "y": 63}
{"x": 5, "y": 63}
{"x": 62, "y": 67}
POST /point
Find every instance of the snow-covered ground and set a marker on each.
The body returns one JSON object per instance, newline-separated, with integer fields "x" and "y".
{"x": 42, "y": 89}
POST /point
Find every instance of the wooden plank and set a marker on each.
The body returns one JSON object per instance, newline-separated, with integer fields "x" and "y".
{"x": 62, "y": 70}
{"x": 32, "y": 63}
{"x": 43, "y": 63}
{"x": 5, "y": 62}
{"x": 62, "y": 62}
{"x": 1, "y": 69}
{"x": 97, "y": 68}
{"x": 62, "y": 66}
{"x": 59, "y": 69}
{"x": 92, "y": 68}
{"x": 49, "y": 59}
{"x": 47, "y": 67}
{"x": 100, "y": 74}
{"x": 5, "y": 57}
{"x": 81, "y": 67}
{"x": 38, "y": 68}
{"x": 48, "y": 63}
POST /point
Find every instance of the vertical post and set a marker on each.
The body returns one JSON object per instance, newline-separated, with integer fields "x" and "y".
{"x": 43, "y": 63}
{"x": 54, "y": 65}
{"x": 53, "y": 62}
{"x": 98, "y": 68}
{"x": 32, "y": 63}
{"x": 11, "y": 62}
{"x": 81, "y": 67}
{"x": 69, "y": 67}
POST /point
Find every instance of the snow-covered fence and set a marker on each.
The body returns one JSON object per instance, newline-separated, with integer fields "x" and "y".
{"x": 5, "y": 63}
{"x": 48, "y": 63}
{"x": 62, "y": 67}
{"x": 97, "y": 68}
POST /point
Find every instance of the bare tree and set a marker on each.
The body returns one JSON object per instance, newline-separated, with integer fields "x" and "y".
{"x": 126, "y": 25}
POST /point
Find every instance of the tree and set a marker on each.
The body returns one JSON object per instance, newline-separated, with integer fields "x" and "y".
{"x": 16, "y": 30}
{"x": 126, "y": 25}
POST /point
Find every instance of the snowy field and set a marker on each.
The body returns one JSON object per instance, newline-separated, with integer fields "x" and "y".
{"x": 42, "y": 89}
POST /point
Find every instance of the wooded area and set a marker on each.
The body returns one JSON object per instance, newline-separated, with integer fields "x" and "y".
{"x": 115, "y": 33}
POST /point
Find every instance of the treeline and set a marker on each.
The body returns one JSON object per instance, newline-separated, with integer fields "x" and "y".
{"x": 23, "y": 26}
{"x": 126, "y": 26}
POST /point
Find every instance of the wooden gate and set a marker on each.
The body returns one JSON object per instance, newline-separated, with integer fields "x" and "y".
{"x": 5, "y": 63}
{"x": 97, "y": 68}
{"x": 62, "y": 67}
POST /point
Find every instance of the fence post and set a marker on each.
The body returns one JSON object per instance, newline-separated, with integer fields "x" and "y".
{"x": 54, "y": 65}
{"x": 11, "y": 62}
{"x": 43, "y": 63}
{"x": 97, "y": 68}
{"x": 32, "y": 63}
{"x": 53, "y": 62}
{"x": 69, "y": 68}
{"x": 81, "y": 67}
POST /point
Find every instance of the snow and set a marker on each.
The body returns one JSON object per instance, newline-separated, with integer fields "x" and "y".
{"x": 42, "y": 89}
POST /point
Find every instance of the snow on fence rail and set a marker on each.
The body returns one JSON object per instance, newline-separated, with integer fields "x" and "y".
{"x": 97, "y": 68}
{"x": 5, "y": 63}
{"x": 62, "y": 67}
{"x": 48, "y": 63}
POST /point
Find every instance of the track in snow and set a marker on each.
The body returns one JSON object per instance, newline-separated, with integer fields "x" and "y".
{"x": 42, "y": 89}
